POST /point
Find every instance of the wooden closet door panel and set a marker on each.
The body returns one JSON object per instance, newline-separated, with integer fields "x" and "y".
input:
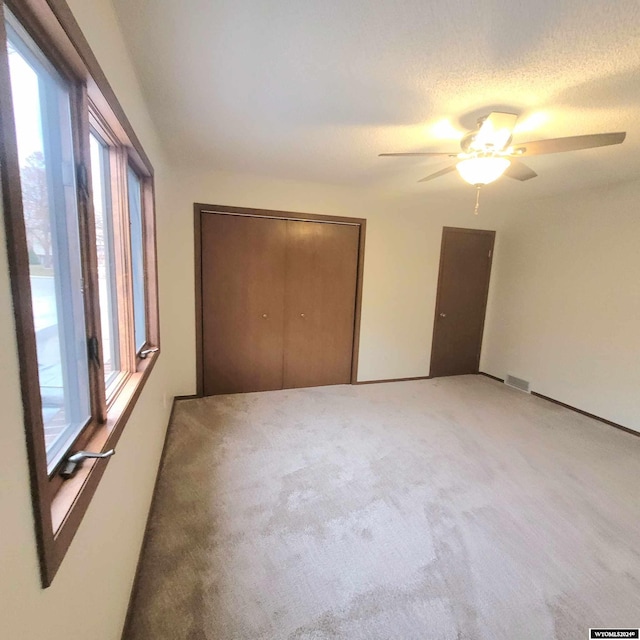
{"x": 243, "y": 275}
{"x": 321, "y": 276}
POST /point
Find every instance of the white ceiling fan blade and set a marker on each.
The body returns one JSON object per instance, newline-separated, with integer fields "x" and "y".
{"x": 495, "y": 131}
{"x": 442, "y": 172}
{"x": 519, "y": 171}
{"x": 451, "y": 154}
{"x": 572, "y": 143}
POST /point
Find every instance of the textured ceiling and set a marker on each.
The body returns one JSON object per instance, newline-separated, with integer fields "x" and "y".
{"x": 315, "y": 89}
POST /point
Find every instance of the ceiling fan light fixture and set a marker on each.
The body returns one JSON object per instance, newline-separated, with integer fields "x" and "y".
{"x": 479, "y": 171}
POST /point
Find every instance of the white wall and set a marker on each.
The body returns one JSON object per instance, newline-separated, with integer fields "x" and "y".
{"x": 565, "y": 304}
{"x": 89, "y": 595}
{"x": 401, "y": 277}
{"x": 402, "y": 256}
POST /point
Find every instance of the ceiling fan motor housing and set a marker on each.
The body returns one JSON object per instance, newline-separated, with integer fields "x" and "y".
{"x": 468, "y": 146}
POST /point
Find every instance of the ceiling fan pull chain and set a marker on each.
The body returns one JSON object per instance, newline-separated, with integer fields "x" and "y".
{"x": 475, "y": 211}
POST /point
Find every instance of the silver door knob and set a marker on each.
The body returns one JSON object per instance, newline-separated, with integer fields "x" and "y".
{"x": 443, "y": 315}
{"x": 302, "y": 315}
{"x": 264, "y": 315}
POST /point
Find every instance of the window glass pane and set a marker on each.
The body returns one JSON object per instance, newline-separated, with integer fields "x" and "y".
{"x": 41, "y": 103}
{"x": 137, "y": 258}
{"x": 106, "y": 260}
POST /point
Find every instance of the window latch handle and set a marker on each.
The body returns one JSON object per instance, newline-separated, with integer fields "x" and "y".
{"x": 74, "y": 461}
{"x": 145, "y": 352}
{"x": 83, "y": 180}
{"x": 94, "y": 350}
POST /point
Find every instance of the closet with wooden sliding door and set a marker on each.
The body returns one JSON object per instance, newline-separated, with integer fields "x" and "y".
{"x": 277, "y": 299}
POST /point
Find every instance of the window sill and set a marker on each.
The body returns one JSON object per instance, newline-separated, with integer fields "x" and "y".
{"x": 72, "y": 499}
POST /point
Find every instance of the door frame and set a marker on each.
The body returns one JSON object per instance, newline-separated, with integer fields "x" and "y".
{"x": 445, "y": 230}
{"x": 200, "y": 210}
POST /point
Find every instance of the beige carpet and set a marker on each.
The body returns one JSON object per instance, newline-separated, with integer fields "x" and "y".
{"x": 453, "y": 508}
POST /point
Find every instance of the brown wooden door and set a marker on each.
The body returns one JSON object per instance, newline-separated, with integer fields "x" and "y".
{"x": 463, "y": 285}
{"x": 243, "y": 279}
{"x": 321, "y": 278}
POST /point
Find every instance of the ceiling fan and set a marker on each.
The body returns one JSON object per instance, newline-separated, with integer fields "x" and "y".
{"x": 488, "y": 153}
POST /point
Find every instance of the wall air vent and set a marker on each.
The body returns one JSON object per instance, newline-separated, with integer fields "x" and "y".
{"x": 518, "y": 383}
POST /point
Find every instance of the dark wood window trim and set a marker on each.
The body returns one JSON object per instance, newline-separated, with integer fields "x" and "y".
{"x": 202, "y": 209}
{"x": 60, "y": 505}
